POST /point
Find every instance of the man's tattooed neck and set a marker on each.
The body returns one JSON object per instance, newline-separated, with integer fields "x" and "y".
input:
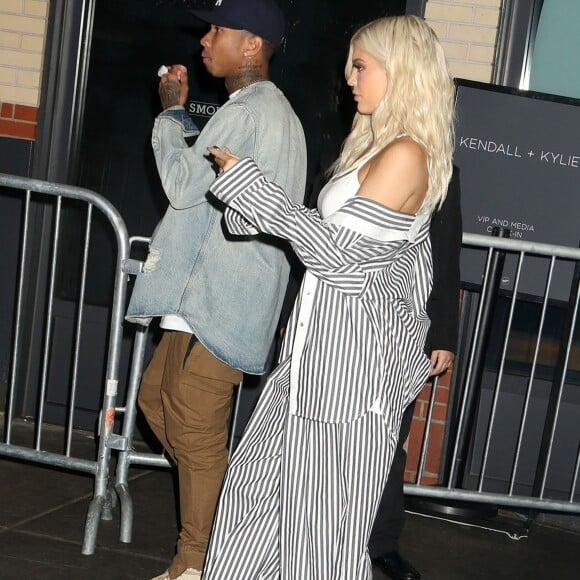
{"x": 246, "y": 76}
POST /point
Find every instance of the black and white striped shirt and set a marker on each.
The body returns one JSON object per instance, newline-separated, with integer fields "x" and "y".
{"x": 358, "y": 328}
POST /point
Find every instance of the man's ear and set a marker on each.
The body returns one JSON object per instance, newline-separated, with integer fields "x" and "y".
{"x": 253, "y": 45}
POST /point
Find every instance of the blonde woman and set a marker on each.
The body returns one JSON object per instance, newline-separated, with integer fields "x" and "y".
{"x": 303, "y": 487}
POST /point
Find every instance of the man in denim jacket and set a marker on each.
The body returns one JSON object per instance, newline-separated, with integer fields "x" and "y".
{"x": 219, "y": 295}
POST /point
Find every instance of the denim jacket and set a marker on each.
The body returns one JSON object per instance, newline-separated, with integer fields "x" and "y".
{"x": 229, "y": 289}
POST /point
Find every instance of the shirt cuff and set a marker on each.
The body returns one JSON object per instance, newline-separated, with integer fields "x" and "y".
{"x": 178, "y": 114}
{"x": 229, "y": 184}
{"x": 238, "y": 224}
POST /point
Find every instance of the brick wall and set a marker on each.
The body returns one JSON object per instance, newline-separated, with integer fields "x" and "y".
{"x": 468, "y": 31}
{"x": 22, "y": 34}
{"x": 432, "y": 466}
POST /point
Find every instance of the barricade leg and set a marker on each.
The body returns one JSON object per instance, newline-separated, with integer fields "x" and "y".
{"x": 124, "y": 460}
{"x": 92, "y": 525}
{"x": 100, "y": 506}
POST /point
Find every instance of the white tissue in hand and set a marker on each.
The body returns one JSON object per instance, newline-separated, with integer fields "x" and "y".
{"x": 163, "y": 70}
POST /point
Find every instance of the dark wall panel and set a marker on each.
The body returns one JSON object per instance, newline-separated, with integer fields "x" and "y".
{"x": 15, "y": 156}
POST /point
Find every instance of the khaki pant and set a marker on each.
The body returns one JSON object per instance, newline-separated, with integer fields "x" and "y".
{"x": 185, "y": 395}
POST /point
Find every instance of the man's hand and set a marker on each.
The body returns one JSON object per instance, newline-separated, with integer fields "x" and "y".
{"x": 174, "y": 87}
{"x": 441, "y": 361}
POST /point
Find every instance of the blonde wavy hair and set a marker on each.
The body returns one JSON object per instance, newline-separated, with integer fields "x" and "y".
{"x": 418, "y": 101}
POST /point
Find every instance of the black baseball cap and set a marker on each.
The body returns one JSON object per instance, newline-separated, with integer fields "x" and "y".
{"x": 261, "y": 17}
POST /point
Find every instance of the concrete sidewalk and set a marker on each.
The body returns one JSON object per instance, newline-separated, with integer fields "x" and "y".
{"x": 42, "y": 516}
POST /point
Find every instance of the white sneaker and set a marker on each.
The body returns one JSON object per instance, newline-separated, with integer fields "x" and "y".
{"x": 189, "y": 574}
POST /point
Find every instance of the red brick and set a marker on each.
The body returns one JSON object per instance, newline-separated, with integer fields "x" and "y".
{"x": 432, "y": 462}
{"x": 429, "y": 480}
{"x": 444, "y": 379}
{"x": 26, "y": 130}
{"x": 6, "y": 127}
{"x": 426, "y": 479}
{"x": 433, "y": 459}
{"x": 25, "y": 113}
{"x": 420, "y": 411}
{"x": 434, "y": 450}
{"x": 425, "y": 393}
{"x": 436, "y": 432}
{"x": 439, "y": 412}
{"x": 7, "y": 111}
{"x": 414, "y": 443}
{"x": 16, "y": 129}
{"x": 442, "y": 394}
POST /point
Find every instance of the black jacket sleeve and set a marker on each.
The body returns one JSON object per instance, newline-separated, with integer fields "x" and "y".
{"x": 443, "y": 307}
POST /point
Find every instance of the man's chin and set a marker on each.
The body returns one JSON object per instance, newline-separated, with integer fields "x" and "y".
{"x": 213, "y": 72}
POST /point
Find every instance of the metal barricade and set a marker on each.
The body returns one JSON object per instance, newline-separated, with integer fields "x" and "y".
{"x": 50, "y": 198}
{"x": 492, "y": 460}
{"x": 467, "y": 378}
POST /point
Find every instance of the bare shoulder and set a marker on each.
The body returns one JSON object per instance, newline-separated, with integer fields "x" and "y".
{"x": 401, "y": 156}
{"x": 397, "y": 176}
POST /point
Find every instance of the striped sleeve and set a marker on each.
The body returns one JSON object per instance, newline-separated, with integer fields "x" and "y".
{"x": 363, "y": 237}
{"x": 237, "y": 224}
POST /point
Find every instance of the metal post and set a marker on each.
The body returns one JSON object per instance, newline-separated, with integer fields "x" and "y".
{"x": 124, "y": 461}
{"x": 472, "y": 389}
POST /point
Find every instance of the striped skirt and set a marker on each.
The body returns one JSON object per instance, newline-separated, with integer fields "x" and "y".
{"x": 300, "y": 496}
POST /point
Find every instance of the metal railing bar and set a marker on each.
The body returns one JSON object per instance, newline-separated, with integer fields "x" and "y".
{"x": 560, "y": 392}
{"x": 497, "y": 387}
{"x": 17, "y": 322}
{"x": 78, "y": 332}
{"x": 48, "y": 458}
{"x": 49, "y": 324}
{"x": 575, "y": 479}
{"x": 148, "y": 459}
{"x": 425, "y": 442}
{"x": 472, "y": 352}
{"x": 528, "y": 396}
{"x": 493, "y": 498}
{"x": 532, "y": 248}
